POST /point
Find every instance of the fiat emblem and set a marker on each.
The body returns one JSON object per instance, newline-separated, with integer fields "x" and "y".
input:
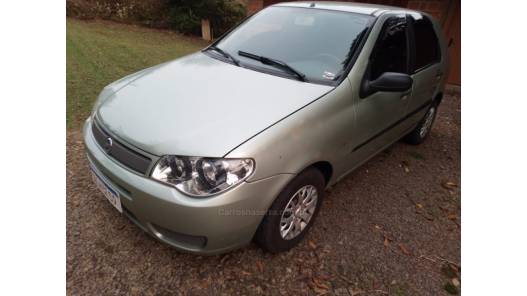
{"x": 109, "y": 144}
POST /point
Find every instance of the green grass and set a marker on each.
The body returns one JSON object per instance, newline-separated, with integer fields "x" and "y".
{"x": 99, "y": 52}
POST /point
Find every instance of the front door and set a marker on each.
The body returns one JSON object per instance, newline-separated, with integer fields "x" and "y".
{"x": 378, "y": 114}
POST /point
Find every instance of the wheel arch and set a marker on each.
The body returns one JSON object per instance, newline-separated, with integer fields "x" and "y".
{"x": 325, "y": 168}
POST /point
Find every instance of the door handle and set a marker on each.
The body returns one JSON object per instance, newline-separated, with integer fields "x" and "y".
{"x": 404, "y": 96}
{"x": 439, "y": 74}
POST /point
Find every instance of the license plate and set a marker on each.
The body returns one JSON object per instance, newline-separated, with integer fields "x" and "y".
{"x": 111, "y": 194}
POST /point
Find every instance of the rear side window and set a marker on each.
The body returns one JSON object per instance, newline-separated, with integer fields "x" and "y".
{"x": 390, "y": 53}
{"x": 427, "y": 50}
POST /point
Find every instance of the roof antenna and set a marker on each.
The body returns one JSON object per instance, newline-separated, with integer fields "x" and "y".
{"x": 312, "y": 4}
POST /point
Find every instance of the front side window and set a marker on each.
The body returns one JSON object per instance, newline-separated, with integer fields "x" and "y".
{"x": 317, "y": 43}
{"x": 390, "y": 53}
{"x": 427, "y": 50}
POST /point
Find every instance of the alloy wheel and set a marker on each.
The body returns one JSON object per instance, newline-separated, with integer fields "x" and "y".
{"x": 298, "y": 212}
{"x": 427, "y": 124}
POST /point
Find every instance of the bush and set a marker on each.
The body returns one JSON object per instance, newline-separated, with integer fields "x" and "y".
{"x": 186, "y": 15}
{"x": 80, "y": 9}
{"x": 181, "y": 15}
{"x": 152, "y": 13}
{"x": 228, "y": 15}
{"x": 183, "y": 19}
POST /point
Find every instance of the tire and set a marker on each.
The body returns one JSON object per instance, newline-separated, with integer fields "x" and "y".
{"x": 419, "y": 134}
{"x": 270, "y": 234}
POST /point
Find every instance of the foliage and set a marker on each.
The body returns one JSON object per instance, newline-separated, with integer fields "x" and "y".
{"x": 228, "y": 16}
{"x": 152, "y": 13}
{"x": 183, "y": 18}
{"x": 181, "y": 15}
{"x": 80, "y": 9}
{"x": 186, "y": 15}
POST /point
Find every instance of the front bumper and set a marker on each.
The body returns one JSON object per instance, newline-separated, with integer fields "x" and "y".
{"x": 206, "y": 225}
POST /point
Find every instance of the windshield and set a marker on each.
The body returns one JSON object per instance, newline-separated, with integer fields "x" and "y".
{"x": 317, "y": 43}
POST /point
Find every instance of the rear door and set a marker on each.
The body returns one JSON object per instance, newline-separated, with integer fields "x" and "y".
{"x": 425, "y": 65}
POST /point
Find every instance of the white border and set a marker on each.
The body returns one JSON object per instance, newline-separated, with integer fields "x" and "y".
{"x": 494, "y": 141}
{"x": 494, "y": 145}
{"x": 32, "y": 121}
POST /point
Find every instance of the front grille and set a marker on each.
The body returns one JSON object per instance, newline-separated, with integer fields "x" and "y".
{"x": 120, "y": 152}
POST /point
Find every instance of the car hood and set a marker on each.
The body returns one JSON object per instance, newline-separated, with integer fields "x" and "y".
{"x": 200, "y": 106}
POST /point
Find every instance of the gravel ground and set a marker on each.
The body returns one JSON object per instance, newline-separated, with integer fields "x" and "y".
{"x": 390, "y": 228}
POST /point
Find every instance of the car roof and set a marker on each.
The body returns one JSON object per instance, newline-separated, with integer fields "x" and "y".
{"x": 362, "y": 8}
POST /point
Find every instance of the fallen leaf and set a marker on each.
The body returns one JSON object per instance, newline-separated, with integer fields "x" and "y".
{"x": 418, "y": 205}
{"x": 321, "y": 291}
{"x": 404, "y": 165}
{"x": 354, "y": 292}
{"x": 312, "y": 244}
{"x": 319, "y": 284}
{"x": 387, "y": 240}
{"x": 260, "y": 266}
{"x": 204, "y": 285}
{"x": 377, "y": 227}
{"x": 448, "y": 185}
{"x": 404, "y": 249}
{"x": 246, "y": 273}
{"x": 318, "y": 287}
{"x": 225, "y": 258}
{"x": 455, "y": 282}
{"x": 452, "y": 217}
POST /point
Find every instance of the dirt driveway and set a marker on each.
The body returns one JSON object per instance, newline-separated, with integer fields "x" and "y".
{"x": 390, "y": 228}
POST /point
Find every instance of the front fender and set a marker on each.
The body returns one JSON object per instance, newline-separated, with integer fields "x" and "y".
{"x": 317, "y": 132}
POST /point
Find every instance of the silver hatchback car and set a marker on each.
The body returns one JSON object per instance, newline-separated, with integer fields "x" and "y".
{"x": 239, "y": 141}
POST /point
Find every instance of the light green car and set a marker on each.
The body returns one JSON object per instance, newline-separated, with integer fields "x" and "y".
{"x": 239, "y": 141}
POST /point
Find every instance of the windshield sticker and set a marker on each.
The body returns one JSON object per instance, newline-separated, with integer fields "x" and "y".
{"x": 328, "y": 75}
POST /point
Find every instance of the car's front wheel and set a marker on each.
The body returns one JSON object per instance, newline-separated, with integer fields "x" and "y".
{"x": 292, "y": 213}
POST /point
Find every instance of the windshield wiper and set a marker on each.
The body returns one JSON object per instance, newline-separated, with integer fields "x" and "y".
{"x": 225, "y": 54}
{"x": 275, "y": 63}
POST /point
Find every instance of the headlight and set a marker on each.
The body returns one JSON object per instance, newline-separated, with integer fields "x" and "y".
{"x": 199, "y": 176}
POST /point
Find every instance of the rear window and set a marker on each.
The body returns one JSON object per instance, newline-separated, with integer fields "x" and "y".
{"x": 427, "y": 50}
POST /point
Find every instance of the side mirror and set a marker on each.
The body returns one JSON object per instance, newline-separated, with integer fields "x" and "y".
{"x": 389, "y": 81}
